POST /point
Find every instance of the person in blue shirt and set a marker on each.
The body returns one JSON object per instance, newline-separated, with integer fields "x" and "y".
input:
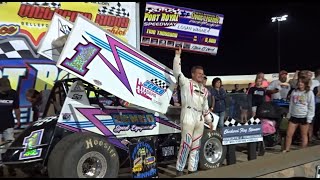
{"x": 218, "y": 100}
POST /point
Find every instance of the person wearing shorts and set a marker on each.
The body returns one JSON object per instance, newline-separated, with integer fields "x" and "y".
{"x": 301, "y": 112}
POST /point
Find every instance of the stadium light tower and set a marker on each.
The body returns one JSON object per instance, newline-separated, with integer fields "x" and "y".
{"x": 279, "y": 19}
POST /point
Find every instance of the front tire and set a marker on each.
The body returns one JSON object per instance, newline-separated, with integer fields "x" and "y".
{"x": 212, "y": 153}
{"x": 83, "y": 155}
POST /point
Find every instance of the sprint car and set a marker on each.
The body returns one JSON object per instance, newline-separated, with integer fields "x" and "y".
{"x": 85, "y": 132}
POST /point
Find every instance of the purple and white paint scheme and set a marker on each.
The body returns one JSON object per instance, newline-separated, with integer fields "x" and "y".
{"x": 94, "y": 54}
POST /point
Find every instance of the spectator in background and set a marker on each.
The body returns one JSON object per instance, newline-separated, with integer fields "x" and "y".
{"x": 305, "y": 74}
{"x": 38, "y": 101}
{"x": 257, "y": 93}
{"x": 294, "y": 81}
{"x": 313, "y": 84}
{"x": 9, "y": 102}
{"x": 237, "y": 89}
{"x": 249, "y": 86}
{"x": 279, "y": 88}
{"x": 204, "y": 82}
{"x": 301, "y": 112}
{"x": 265, "y": 84}
{"x": 218, "y": 99}
{"x": 316, "y": 120}
{"x": 317, "y": 75}
{"x": 223, "y": 88}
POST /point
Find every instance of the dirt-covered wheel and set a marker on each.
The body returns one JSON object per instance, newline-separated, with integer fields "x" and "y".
{"x": 212, "y": 153}
{"x": 84, "y": 155}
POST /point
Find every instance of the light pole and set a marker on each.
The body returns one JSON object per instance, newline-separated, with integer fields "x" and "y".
{"x": 279, "y": 19}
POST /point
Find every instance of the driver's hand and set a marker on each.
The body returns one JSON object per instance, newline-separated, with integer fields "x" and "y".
{"x": 178, "y": 52}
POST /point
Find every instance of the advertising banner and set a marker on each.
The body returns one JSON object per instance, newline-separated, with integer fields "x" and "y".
{"x": 33, "y": 18}
{"x": 170, "y": 26}
{"x": 23, "y": 26}
{"x": 143, "y": 160}
{"x": 238, "y": 134}
{"x": 100, "y": 58}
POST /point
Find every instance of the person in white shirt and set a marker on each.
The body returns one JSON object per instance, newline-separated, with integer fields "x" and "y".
{"x": 279, "y": 88}
{"x": 314, "y": 82}
{"x": 301, "y": 112}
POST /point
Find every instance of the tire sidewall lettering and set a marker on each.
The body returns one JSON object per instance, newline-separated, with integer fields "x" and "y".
{"x": 94, "y": 143}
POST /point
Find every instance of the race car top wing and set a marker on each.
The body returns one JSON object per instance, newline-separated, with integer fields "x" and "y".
{"x": 102, "y": 59}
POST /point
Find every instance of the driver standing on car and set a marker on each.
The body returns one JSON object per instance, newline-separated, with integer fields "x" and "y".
{"x": 194, "y": 111}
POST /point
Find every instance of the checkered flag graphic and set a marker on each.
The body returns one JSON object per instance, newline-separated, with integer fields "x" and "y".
{"x": 253, "y": 121}
{"x": 114, "y": 10}
{"x": 15, "y": 49}
{"x": 55, "y": 5}
{"x": 103, "y": 3}
{"x": 231, "y": 122}
{"x": 153, "y": 10}
{"x": 182, "y": 13}
{"x": 171, "y": 10}
{"x": 159, "y": 83}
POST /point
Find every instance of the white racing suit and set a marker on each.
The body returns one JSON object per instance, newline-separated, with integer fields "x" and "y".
{"x": 194, "y": 111}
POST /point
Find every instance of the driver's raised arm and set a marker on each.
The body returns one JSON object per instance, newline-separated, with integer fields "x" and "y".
{"x": 177, "y": 69}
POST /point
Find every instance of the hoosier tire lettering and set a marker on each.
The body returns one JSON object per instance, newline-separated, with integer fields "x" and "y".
{"x": 91, "y": 143}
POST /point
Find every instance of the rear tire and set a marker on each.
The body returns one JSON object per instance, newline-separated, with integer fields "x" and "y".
{"x": 84, "y": 155}
{"x": 212, "y": 153}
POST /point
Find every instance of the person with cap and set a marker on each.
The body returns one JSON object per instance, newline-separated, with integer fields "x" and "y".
{"x": 279, "y": 88}
{"x": 9, "y": 102}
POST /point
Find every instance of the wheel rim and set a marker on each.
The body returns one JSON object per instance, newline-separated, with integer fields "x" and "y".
{"x": 92, "y": 165}
{"x": 213, "y": 150}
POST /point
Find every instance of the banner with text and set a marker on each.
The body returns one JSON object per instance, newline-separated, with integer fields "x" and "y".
{"x": 241, "y": 134}
{"x": 170, "y": 26}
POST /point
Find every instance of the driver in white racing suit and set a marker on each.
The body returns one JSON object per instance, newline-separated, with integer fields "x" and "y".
{"x": 194, "y": 111}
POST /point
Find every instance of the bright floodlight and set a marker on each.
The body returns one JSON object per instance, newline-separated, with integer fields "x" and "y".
{"x": 279, "y": 18}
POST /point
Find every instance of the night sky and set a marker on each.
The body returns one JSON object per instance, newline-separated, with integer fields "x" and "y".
{"x": 248, "y": 39}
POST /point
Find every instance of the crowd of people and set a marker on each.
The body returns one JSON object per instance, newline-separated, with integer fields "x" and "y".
{"x": 302, "y": 92}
